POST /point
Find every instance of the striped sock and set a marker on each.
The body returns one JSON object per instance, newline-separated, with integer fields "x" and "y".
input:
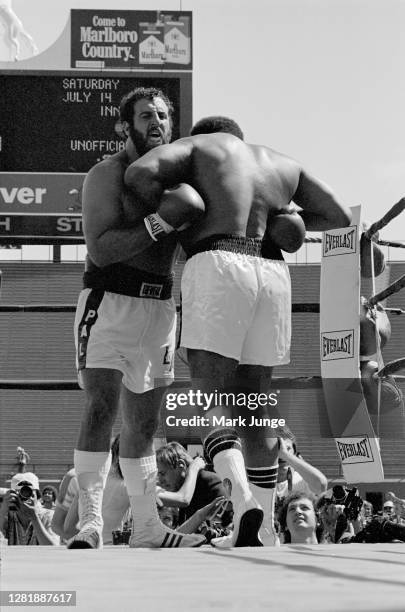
{"x": 220, "y": 440}
{"x": 263, "y": 477}
{"x": 223, "y": 448}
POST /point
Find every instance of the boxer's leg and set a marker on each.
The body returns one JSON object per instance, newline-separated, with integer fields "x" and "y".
{"x": 92, "y": 457}
{"x": 140, "y": 418}
{"x": 211, "y": 372}
{"x": 260, "y": 449}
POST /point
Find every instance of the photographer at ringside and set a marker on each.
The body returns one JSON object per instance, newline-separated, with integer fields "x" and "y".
{"x": 23, "y": 519}
{"x": 340, "y": 514}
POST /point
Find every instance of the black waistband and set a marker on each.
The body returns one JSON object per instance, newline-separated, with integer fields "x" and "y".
{"x": 119, "y": 278}
{"x": 236, "y": 244}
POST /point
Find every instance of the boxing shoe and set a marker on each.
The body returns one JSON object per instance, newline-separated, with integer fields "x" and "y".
{"x": 88, "y": 537}
{"x": 247, "y": 522}
{"x": 148, "y": 531}
{"x": 156, "y": 535}
{"x": 90, "y": 534}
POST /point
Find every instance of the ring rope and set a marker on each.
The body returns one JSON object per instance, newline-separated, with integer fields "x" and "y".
{"x": 399, "y": 245}
{"x": 393, "y": 212}
{"x": 301, "y": 382}
{"x": 391, "y": 289}
{"x": 296, "y": 307}
{"x": 396, "y": 311}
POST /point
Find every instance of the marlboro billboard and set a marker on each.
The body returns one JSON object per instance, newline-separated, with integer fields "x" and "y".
{"x": 144, "y": 40}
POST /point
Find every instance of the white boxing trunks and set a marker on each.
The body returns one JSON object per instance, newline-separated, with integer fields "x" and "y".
{"x": 134, "y": 335}
{"x": 238, "y": 306}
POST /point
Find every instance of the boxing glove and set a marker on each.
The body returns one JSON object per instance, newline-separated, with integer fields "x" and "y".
{"x": 179, "y": 207}
{"x": 367, "y": 329}
{"x": 365, "y": 257}
{"x": 287, "y": 230}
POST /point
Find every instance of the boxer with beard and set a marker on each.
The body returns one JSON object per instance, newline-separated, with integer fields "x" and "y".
{"x": 125, "y": 325}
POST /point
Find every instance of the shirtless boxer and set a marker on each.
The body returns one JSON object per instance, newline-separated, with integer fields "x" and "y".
{"x": 236, "y": 299}
{"x": 125, "y": 327}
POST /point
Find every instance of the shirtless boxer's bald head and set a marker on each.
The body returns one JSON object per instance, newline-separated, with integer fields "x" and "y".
{"x": 217, "y": 123}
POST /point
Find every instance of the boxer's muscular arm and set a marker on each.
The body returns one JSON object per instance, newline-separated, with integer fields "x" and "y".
{"x": 107, "y": 237}
{"x": 159, "y": 169}
{"x": 321, "y": 208}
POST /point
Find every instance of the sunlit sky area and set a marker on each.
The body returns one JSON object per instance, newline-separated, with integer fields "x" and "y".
{"x": 319, "y": 80}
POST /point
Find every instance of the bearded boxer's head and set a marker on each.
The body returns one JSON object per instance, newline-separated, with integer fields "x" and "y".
{"x": 146, "y": 115}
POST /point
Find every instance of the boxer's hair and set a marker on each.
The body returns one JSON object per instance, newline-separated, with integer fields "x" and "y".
{"x": 142, "y": 93}
{"x": 216, "y": 123}
{"x": 172, "y": 453}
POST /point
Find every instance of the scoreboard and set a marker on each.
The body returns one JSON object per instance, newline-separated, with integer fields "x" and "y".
{"x": 56, "y": 123}
{"x": 68, "y": 122}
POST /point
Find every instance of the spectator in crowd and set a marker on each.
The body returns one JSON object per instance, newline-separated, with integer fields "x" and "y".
{"x": 115, "y": 504}
{"x": 22, "y": 459}
{"x": 343, "y": 524}
{"x": 295, "y": 474}
{"x": 389, "y": 510}
{"x": 213, "y": 520}
{"x": 299, "y": 521}
{"x": 184, "y": 481}
{"x": 48, "y": 497}
{"x": 23, "y": 519}
{"x": 399, "y": 505}
{"x": 366, "y": 513}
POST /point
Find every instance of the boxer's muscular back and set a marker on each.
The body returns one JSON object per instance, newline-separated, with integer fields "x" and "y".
{"x": 241, "y": 185}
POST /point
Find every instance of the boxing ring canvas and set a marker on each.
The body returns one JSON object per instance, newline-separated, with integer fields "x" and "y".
{"x": 357, "y": 445}
{"x": 290, "y": 578}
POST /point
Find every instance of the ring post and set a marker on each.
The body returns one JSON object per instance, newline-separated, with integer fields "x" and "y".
{"x": 356, "y": 441}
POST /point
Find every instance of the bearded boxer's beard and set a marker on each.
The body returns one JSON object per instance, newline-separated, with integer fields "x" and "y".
{"x": 141, "y": 143}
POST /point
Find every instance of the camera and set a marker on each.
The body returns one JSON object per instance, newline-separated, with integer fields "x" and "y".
{"x": 21, "y": 493}
{"x": 121, "y": 536}
{"x": 380, "y": 530}
{"x": 24, "y": 491}
{"x": 349, "y": 498}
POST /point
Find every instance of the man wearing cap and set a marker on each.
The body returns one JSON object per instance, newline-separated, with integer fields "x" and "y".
{"x": 389, "y": 510}
{"x": 23, "y": 520}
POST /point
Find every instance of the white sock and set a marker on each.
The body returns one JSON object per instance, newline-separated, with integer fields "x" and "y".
{"x": 140, "y": 480}
{"x": 136, "y": 471}
{"x": 92, "y": 468}
{"x": 230, "y": 464}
